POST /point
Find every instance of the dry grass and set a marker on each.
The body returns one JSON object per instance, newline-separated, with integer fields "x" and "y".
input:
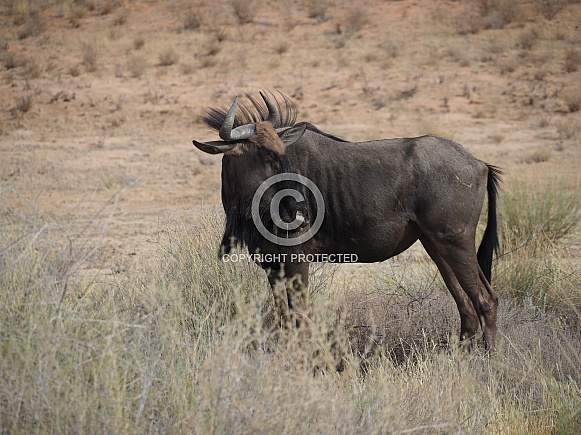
{"x": 192, "y": 20}
{"x": 136, "y": 65}
{"x": 168, "y": 57}
{"x": 572, "y": 60}
{"x": 24, "y": 104}
{"x": 244, "y": 10}
{"x": 171, "y": 340}
{"x": 317, "y": 9}
{"x": 183, "y": 343}
{"x": 572, "y": 98}
{"x": 354, "y": 21}
{"x": 33, "y": 26}
{"x": 90, "y": 56}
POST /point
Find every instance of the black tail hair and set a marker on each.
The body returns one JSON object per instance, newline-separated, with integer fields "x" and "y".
{"x": 489, "y": 245}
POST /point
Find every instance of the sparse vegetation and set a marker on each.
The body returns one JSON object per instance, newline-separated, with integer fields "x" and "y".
{"x": 24, "y": 104}
{"x": 532, "y": 213}
{"x": 281, "y": 47}
{"x": 244, "y": 10}
{"x": 127, "y": 322}
{"x": 12, "y": 60}
{"x": 572, "y": 98}
{"x": 168, "y": 57}
{"x": 532, "y": 268}
{"x": 90, "y": 56}
{"x": 136, "y": 65}
{"x": 138, "y": 42}
{"x": 528, "y": 39}
{"x": 170, "y": 351}
{"x": 550, "y": 8}
{"x": 354, "y": 21}
{"x": 192, "y": 19}
{"x": 317, "y": 9}
{"x": 572, "y": 60}
{"x": 33, "y": 26}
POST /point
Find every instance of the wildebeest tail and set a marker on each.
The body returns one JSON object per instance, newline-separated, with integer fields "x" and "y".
{"x": 489, "y": 245}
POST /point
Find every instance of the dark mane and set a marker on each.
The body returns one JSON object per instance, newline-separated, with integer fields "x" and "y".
{"x": 252, "y": 109}
{"x": 314, "y": 129}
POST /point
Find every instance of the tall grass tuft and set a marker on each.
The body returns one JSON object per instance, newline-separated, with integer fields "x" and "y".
{"x": 533, "y": 220}
{"x": 212, "y": 290}
{"x": 534, "y": 214}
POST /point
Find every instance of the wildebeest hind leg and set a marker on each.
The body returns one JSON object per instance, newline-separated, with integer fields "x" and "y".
{"x": 468, "y": 319}
{"x": 460, "y": 255}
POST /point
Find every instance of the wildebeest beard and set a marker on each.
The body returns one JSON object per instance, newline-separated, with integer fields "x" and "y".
{"x": 240, "y": 230}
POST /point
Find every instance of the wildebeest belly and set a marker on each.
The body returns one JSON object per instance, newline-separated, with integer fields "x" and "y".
{"x": 372, "y": 244}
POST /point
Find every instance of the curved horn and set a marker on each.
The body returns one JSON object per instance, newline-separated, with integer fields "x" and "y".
{"x": 227, "y": 133}
{"x": 272, "y": 113}
{"x": 226, "y": 129}
{"x": 215, "y": 147}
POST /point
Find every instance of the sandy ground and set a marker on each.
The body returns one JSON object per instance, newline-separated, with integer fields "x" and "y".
{"x": 99, "y": 106}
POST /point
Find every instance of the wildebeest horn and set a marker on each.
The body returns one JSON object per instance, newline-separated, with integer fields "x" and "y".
{"x": 214, "y": 147}
{"x": 242, "y": 132}
{"x": 272, "y": 113}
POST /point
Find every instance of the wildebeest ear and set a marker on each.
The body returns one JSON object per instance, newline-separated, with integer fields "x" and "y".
{"x": 292, "y": 134}
{"x": 214, "y": 147}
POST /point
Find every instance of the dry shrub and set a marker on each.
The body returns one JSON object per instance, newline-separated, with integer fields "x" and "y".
{"x": 32, "y": 70}
{"x": 539, "y": 156}
{"x": 24, "y": 104}
{"x": 572, "y": 98}
{"x": 121, "y": 18}
{"x": 75, "y": 70}
{"x": 12, "y": 60}
{"x": 497, "y": 13}
{"x": 136, "y": 65}
{"x": 77, "y": 13}
{"x": 106, "y": 7}
{"x": 138, "y": 42}
{"x": 244, "y": 10}
{"x": 281, "y": 47}
{"x": 354, "y": 21}
{"x": 572, "y": 60}
{"x": 528, "y": 39}
{"x": 550, "y": 8}
{"x": 33, "y": 26}
{"x": 492, "y": 14}
{"x": 408, "y": 310}
{"x": 567, "y": 128}
{"x": 168, "y": 57}
{"x": 317, "y": 9}
{"x": 90, "y": 56}
{"x": 192, "y": 19}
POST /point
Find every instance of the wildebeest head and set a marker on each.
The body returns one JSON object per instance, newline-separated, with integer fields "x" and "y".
{"x": 253, "y": 153}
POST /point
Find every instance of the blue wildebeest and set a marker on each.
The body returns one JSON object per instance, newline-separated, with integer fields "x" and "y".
{"x": 379, "y": 197}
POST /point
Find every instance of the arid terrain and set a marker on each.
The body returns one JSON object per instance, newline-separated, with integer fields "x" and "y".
{"x": 101, "y": 100}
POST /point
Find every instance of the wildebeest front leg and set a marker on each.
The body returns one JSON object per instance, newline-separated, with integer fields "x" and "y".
{"x": 277, "y": 283}
{"x": 297, "y": 283}
{"x": 289, "y": 283}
